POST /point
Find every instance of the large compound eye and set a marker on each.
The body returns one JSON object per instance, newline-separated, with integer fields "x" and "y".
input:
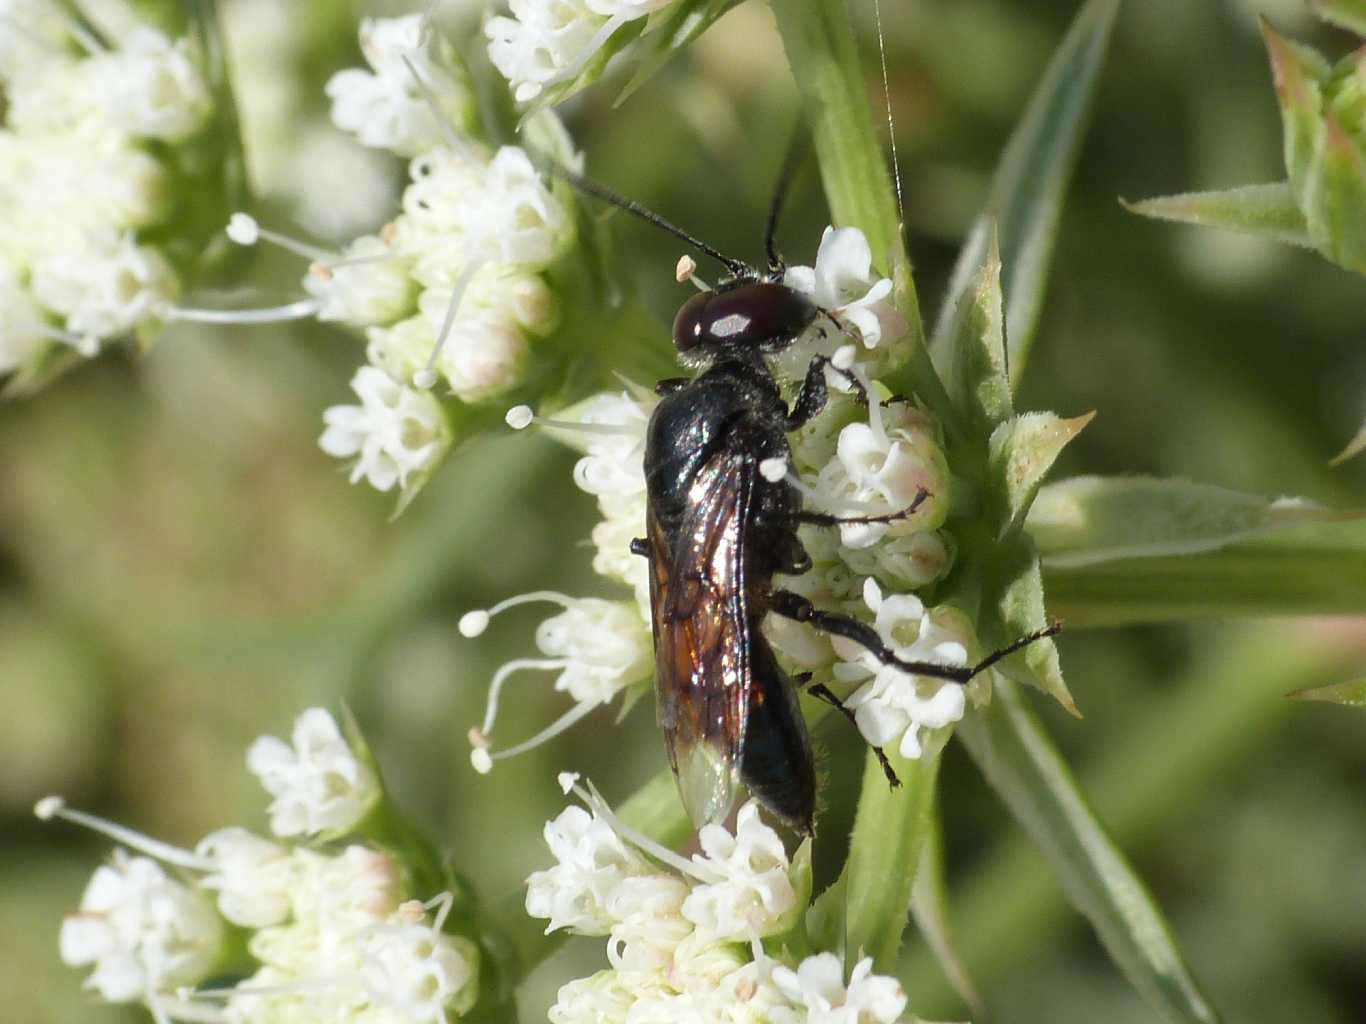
{"x": 763, "y": 314}
{"x": 689, "y": 325}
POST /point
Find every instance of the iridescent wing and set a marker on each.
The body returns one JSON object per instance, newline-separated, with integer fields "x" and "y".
{"x": 702, "y": 634}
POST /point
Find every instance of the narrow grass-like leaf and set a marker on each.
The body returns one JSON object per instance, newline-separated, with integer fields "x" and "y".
{"x": 1031, "y": 179}
{"x": 1021, "y": 763}
{"x": 930, "y": 908}
{"x": 1349, "y": 14}
{"x": 1090, "y": 519}
{"x": 1267, "y": 211}
{"x": 1316, "y": 569}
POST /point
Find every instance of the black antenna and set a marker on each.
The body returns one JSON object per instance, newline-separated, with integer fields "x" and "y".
{"x": 738, "y": 268}
{"x": 791, "y": 161}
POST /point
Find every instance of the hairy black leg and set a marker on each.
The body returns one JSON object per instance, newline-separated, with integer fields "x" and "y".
{"x": 823, "y": 692}
{"x": 814, "y": 393}
{"x": 640, "y": 546}
{"x": 794, "y": 606}
{"x": 825, "y": 519}
{"x": 669, "y": 385}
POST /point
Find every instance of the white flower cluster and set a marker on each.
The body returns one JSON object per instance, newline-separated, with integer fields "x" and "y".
{"x": 84, "y": 173}
{"x": 452, "y": 291}
{"x": 544, "y": 44}
{"x": 685, "y": 936}
{"x": 334, "y": 933}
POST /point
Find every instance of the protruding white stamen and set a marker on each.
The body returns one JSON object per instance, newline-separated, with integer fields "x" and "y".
{"x": 243, "y": 229}
{"x": 453, "y": 139}
{"x": 773, "y": 469}
{"x": 457, "y": 293}
{"x": 424, "y": 379}
{"x": 687, "y": 271}
{"x": 829, "y": 501}
{"x": 565, "y": 721}
{"x": 48, "y": 807}
{"x": 301, "y": 310}
{"x": 505, "y": 673}
{"x": 567, "y": 780}
{"x": 519, "y": 417}
{"x": 88, "y": 345}
{"x": 479, "y": 752}
{"x": 473, "y": 623}
{"x": 600, "y": 807}
{"x": 55, "y": 807}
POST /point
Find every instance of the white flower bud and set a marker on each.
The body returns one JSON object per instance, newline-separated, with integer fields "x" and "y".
{"x": 319, "y": 784}
{"x": 253, "y": 877}
{"x": 369, "y": 287}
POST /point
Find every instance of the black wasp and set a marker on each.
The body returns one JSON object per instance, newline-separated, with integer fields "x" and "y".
{"x": 718, "y": 528}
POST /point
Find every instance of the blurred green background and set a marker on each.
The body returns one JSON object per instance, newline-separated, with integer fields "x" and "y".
{"x": 181, "y": 569}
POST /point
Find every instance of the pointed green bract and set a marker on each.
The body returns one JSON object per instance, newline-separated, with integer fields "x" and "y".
{"x": 1014, "y": 608}
{"x": 1267, "y": 211}
{"x": 666, "y": 33}
{"x": 1022, "y": 450}
{"x": 1352, "y": 694}
{"x": 1349, "y": 14}
{"x": 975, "y": 365}
{"x": 1031, "y": 179}
{"x": 1325, "y": 155}
{"x": 1092, "y": 519}
{"x": 1019, "y": 760}
{"x": 1355, "y": 447}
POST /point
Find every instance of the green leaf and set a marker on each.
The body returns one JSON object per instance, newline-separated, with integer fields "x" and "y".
{"x": 1350, "y": 14}
{"x": 930, "y": 908}
{"x": 1267, "y": 211}
{"x": 824, "y": 56}
{"x": 1353, "y": 694}
{"x": 884, "y": 851}
{"x": 1017, "y": 610}
{"x": 1022, "y": 451}
{"x": 1313, "y": 569}
{"x": 667, "y": 32}
{"x": 1019, "y": 760}
{"x": 1355, "y": 447}
{"x": 1031, "y": 180}
{"x": 975, "y": 366}
{"x": 1091, "y": 519}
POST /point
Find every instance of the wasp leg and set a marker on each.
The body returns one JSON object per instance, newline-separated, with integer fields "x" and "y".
{"x": 794, "y": 606}
{"x": 824, "y": 519}
{"x": 669, "y": 385}
{"x": 823, "y": 692}
{"x": 814, "y": 393}
{"x": 640, "y": 546}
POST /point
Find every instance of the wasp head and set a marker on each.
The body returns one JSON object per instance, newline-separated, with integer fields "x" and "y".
{"x": 751, "y": 315}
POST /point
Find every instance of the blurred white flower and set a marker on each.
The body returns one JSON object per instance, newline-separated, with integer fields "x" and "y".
{"x": 318, "y": 782}
{"x": 22, "y": 328}
{"x": 819, "y": 995}
{"x": 397, "y": 432}
{"x": 145, "y": 933}
{"x": 388, "y": 107}
{"x": 153, "y": 87}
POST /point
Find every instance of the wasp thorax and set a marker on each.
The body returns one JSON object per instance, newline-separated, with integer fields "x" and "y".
{"x": 759, "y": 314}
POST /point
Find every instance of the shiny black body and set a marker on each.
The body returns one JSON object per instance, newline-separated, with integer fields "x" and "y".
{"x": 718, "y": 530}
